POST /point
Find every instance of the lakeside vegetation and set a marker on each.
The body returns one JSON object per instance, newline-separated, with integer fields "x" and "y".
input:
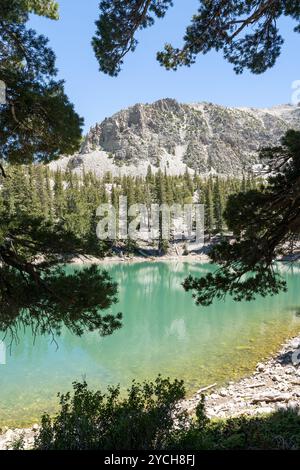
{"x": 149, "y": 419}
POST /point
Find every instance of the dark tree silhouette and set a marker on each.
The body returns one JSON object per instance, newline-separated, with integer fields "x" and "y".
{"x": 245, "y": 31}
{"x": 263, "y": 222}
{"x": 38, "y": 124}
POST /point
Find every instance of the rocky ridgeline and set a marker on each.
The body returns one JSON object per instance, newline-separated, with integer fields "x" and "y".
{"x": 274, "y": 385}
{"x": 170, "y": 135}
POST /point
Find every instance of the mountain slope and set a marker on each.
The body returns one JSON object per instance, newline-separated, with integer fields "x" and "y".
{"x": 169, "y": 135}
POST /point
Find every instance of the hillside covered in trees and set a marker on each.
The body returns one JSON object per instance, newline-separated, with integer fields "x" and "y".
{"x": 71, "y": 200}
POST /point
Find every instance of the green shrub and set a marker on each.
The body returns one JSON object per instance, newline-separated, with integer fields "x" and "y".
{"x": 149, "y": 419}
{"x": 276, "y": 431}
{"x": 92, "y": 420}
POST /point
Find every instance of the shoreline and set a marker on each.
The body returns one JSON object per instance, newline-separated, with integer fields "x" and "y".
{"x": 77, "y": 260}
{"x": 273, "y": 386}
{"x": 192, "y": 257}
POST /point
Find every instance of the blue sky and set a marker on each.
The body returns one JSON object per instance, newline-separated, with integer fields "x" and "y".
{"x": 142, "y": 80}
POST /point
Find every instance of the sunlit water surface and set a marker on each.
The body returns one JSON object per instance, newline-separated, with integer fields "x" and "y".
{"x": 163, "y": 332}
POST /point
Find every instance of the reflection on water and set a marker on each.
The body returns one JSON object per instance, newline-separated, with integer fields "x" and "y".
{"x": 163, "y": 332}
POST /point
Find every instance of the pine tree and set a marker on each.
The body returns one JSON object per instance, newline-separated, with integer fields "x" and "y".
{"x": 35, "y": 203}
{"x": 16, "y": 191}
{"x": 160, "y": 187}
{"x": 218, "y": 203}
{"x": 209, "y": 217}
{"x": 247, "y": 33}
{"x": 149, "y": 176}
{"x": 188, "y": 187}
{"x": 43, "y": 195}
{"x": 38, "y": 124}
{"x": 59, "y": 196}
{"x": 247, "y": 266}
{"x": 49, "y": 194}
{"x": 169, "y": 190}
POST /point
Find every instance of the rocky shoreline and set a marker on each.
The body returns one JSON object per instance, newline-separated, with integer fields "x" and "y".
{"x": 177, "y": 253}
{"x": 201, "y": 258}
{"x": 15, "y": 439}
{"x": 274, "y": 385}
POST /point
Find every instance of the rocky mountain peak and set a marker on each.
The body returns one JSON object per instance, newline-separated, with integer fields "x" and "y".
{"x": 171, "y": 135}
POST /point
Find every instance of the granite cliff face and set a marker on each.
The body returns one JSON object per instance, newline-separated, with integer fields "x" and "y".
{"x": 169, "y": 135}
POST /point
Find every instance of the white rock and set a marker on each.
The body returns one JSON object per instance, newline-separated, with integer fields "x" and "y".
{"x": 214, "y": 396}
{"x": 295, "y": 343}
{"x": 265, "y": 409}
{"x": 276, "y": 378}
{"x": 10, "y": 434}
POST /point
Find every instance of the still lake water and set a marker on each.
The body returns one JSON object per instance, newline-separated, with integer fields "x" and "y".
{"x": 163, "y": 332}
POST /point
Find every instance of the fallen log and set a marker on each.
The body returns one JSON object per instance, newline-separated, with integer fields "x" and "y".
{"x": 271, "y": 398}
{"x": 204, "y": 389}
{"x": 260, "y": 384}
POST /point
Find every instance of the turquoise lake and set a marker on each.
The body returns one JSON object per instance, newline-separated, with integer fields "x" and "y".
{"x": 163, "y": 332}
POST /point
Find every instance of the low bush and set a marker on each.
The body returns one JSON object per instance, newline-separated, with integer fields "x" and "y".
{"x": 92, "y": 420}
{"x": 149, "y": 418}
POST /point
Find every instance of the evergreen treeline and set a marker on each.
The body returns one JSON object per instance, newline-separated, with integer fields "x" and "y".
{"x": 72, "y": 200}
